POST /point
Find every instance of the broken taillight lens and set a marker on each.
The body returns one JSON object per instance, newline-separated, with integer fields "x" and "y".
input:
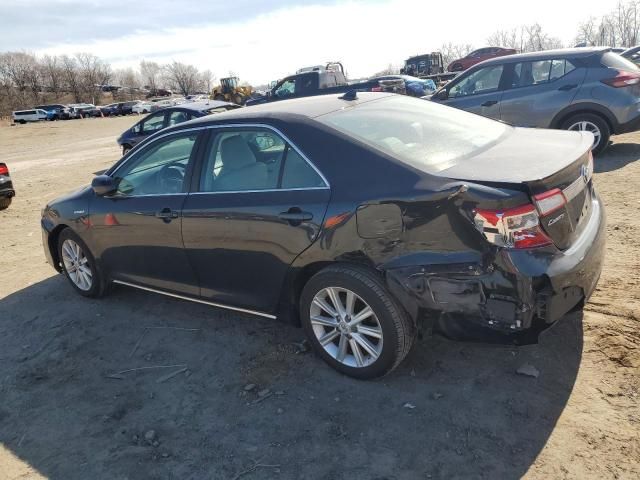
{"x": 512, "y": 228}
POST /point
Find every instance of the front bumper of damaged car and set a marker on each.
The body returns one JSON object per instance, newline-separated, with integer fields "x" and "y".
{"x": 507, "y": 291}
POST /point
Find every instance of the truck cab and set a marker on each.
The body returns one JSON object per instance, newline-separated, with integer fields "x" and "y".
{"x": 310, "y": 81}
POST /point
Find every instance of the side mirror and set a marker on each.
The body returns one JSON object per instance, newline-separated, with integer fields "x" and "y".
{"x": 103, "y": 185}
{"x": 441, "y": 95}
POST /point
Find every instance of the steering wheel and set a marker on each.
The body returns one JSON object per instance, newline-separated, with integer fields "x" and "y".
{"x": 171, "y": 177}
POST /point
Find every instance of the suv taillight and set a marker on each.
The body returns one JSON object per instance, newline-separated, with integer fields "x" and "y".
{"x": 623, "y": 79}
{"x": 3, "y": 169}
{"x": 512, "y": 228}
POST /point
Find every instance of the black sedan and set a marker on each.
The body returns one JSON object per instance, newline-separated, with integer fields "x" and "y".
{"x": 358, "y": 217}
{"x": 7, "y": 191}
{"x": 168, "y": 117}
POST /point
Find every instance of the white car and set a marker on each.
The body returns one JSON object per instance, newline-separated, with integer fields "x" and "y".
{"x": 142, "y": 107}
{"x": 24, "y": 116}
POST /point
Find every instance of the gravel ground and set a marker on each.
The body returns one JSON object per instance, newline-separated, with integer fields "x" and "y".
{"x": 83, "y": 394}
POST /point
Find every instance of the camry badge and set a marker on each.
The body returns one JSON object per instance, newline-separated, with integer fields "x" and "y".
{"x": 555, "y": 220}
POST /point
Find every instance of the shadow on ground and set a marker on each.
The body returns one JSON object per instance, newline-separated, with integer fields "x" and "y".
{"x": 62, "y": 414}
{"x": 617, "y": 155}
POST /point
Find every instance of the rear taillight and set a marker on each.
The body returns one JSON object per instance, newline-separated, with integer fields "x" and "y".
{"x": 550, "y": 201}
{"x": 3, "y": 169}
{"x": 623, "y": 79}
{"x": 376, "y": 89}
{"x": 512, "y": 228}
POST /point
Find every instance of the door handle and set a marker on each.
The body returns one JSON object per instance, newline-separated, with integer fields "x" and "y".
{"x": 566, "y": 88}
{"x": 489, "y": 103}
{"x": 166, "y": 215}
{"x": 295, "y": 216}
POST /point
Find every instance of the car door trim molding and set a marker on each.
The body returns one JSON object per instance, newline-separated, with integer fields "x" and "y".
{"x": 240, "y": 125}
{"x": 196, "y": 300}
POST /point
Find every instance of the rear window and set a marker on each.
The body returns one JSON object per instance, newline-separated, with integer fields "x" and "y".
{"x": 613, "y": 60}
{"x": 423, "y": 134}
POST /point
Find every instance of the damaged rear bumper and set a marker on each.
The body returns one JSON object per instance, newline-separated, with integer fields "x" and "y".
{"x": 508, "y": 290}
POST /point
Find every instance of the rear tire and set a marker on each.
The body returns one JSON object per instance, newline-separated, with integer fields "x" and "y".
{"x": 4, "y": 203}
{"x": 79, "y": 265}
{"x": 592, "y": 123}
{"x": 353, "y": 341}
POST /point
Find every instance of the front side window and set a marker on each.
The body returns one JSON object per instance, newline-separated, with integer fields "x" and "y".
{"x": 178, "y": 117}
{"x": 287, "y": 88}
{"x": 485, "y": 80}
{"x": 159, "y": 169}
{"x": 153, "y": 124}
{"x": 253, "y": 160}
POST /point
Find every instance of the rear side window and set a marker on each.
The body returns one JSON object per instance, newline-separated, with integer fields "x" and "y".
{"x": 253, "y": 160}
{"x": 613, "y": 60}
{"x": 526, "y": 74}
{"x": 425, "y": 135}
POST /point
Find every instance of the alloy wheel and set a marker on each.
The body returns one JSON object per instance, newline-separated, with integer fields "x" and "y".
{"x": 76, "y": 265}
{"x": 586, "y": 126}
{"x": 346, "y": 327}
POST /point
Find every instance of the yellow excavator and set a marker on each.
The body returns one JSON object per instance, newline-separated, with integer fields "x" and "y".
{"x": 229, "y": 91}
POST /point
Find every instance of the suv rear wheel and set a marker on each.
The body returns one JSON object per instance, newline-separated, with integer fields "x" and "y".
{"x": 589, "y": 122}
{"x": 353, "y": 323}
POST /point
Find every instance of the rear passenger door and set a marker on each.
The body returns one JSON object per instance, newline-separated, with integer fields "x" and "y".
{"x": 255, "y": 206}
{"x": 537, "y": 91}
{"x": 479, "y": 91}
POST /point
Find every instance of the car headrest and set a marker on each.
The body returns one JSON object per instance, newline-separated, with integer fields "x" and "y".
{"x": 235, "y": 153}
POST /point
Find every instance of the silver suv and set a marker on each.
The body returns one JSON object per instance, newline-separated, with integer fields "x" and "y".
{"x": 589, "y": 89}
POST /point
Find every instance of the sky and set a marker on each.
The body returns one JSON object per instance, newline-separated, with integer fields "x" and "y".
{"x": 263, "y": 40}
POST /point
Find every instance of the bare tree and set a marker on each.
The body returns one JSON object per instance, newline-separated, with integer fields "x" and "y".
{"x": 52, "y": 74}
{"x": 71, "y": 77}
{"x": 507, "y": 38}
{"x": 182, "y": 77}
{"x": 619, "y": 28}
{"x": 129, "y": 81}
{"x": 526, "y": 38}
{"x": 93, "y": 73}
{"x": 207, "y": 79}
{"x": 150, "y": 72}
{"x": 453, "y": 51}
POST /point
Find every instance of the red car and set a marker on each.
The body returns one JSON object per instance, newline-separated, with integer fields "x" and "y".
{"x": 478, "y": 56}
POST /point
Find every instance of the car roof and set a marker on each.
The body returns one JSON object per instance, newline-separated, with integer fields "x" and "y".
{"x": 544, "y": 54}
{"x": 206, "y": 105}
{"x": 309, "y": 107}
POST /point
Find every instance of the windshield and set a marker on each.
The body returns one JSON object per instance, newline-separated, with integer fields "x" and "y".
{"x": 425, "y": 135}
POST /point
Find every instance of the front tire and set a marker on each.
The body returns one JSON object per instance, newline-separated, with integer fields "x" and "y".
{"x": 353, "y": 323}
{"x": 79, "y": 266}
{"x": 590, "y": 123}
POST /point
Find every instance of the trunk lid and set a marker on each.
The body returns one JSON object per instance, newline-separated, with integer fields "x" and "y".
{"x": 537, "y": 161}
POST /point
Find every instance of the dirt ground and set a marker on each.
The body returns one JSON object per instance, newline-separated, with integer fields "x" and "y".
{"x": 452, "y": 410}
